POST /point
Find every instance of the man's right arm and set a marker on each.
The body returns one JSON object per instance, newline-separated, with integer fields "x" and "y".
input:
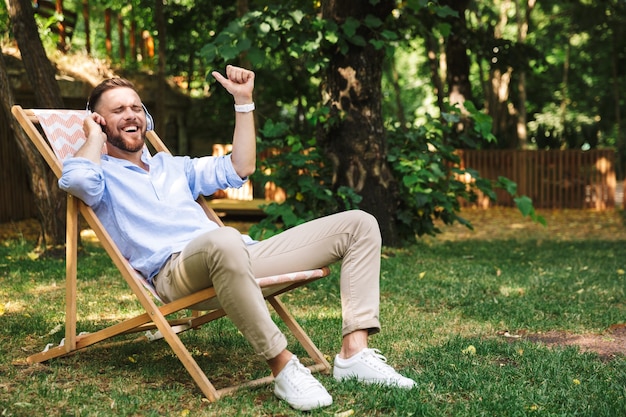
{"x": 83, "y": 178}
{"x": 95, "y": 138}
{"x": 82, "y": 174}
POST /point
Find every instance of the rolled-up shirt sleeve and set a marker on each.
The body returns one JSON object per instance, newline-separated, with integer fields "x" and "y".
{"x": 209, "y": 174}
{"x": 83, "y": 179}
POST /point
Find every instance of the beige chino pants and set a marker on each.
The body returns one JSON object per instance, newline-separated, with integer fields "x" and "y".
{"x": 221, "y": 259}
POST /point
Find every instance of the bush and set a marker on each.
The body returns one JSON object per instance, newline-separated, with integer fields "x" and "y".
{"x": 295, "y": 164}
{"x": 423, "y": 160}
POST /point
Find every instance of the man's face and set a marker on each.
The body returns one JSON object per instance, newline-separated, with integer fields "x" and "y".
{"x": 125, "y": 118}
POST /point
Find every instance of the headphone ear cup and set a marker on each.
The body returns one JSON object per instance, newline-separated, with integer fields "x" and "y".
{"x": 149, "y": 119}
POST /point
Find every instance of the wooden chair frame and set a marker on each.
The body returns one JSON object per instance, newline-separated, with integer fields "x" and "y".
{"x": 155, "y": 315}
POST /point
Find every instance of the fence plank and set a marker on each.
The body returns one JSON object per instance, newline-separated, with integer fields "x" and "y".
{"x": 553, "y": 179}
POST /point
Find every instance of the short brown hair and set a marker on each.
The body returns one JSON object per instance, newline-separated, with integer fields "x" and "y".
{"x": 104, "y": 86}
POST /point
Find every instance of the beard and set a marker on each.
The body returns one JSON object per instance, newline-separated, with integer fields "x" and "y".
{"x": 118, "y": 142}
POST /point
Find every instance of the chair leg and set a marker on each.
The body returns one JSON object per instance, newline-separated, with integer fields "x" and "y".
{"x": 300, "y": 334}
{"x": 71, "y": 262}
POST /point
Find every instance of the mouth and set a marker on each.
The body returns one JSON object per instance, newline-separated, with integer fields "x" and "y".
{"x": 131, "y": 129}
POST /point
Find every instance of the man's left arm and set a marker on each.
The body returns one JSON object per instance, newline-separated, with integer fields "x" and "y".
{"x": 239, "y": 82}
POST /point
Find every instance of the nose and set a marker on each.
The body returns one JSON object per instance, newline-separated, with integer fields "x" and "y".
{"x": 129, "y": 113}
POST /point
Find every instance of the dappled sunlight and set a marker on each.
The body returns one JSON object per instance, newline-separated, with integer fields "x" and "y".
{"x": 123, "y": 307}
{"x": 508, "y": 223}
{"x": 13, "y": 307}
{"x": 109, "y": 316}
{"x": 40, "y": 290}
{"x": 317, "y": 311}
{"x": 603, "y": 165}
{"x": 511, "y": 291}
{"x": 88, "y": 235}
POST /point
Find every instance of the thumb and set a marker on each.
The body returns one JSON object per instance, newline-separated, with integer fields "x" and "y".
{"x": 219, "y": 77}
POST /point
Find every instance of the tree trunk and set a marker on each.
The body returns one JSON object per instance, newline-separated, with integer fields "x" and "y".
{"x": 121, "y": 38}
{"x": 615, "y": 81}
{"x": 503, "y": 116}
{"x": 159, "y": 18}
{"x": 565, "y": 85}
{"x": 49, "y": 198}
{"x": 132, "y": 37}
{"x": 87, "y": 30}
{"x": 108, "y": 43}
{"x": 357, "y": 143}
{"x": 394, "y": 77}
{"x": 432, "y": 46}
{"x": 62, "y": 46}
{"x": 523, "y": 21}
{"x": 457, "y": 60}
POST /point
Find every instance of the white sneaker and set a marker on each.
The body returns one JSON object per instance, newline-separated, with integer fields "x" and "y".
{"x": 299, "y": 388}
{"x": 371, "y": 367}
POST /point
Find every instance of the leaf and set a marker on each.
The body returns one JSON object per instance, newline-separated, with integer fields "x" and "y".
{"x": 470, "y": 350}
{"x": 350, "y": 26}
{"x": 358, "y": 40}
{"x": 389, "y": 35}
{"x": 297, "y": 16}
{"x": 229, "y": 52}
{"x": 444, "y": 29}
{"x": 265, "y": 27}
{"x": 509, "y": 185}
{"x": 525, "y": 205}
{"x": 372, "y": 21}
{"x": 446, "y": 11}
{"x": 377, "y": 43}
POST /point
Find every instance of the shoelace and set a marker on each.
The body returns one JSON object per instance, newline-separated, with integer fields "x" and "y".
{"x": 380, "y": 362}
{"x": 305, "y": 384}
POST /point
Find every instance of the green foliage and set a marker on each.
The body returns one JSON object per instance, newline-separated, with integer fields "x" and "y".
{"x": 264, "y": 35}
{"x": 5, "y": 22}
{"x": 295, "y": 164}
{"x": 432, "y": 184}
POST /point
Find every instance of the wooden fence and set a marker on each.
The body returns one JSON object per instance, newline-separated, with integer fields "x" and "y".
{"x": 554, "y": 179}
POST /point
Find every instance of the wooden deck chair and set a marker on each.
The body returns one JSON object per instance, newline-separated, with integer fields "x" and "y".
{"x": 64, "y": 133}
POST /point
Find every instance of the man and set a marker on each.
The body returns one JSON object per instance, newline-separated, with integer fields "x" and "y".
{"x": 148, "y": 206}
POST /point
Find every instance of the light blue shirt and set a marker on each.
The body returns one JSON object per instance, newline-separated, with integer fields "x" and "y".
{"x": 150, "y": 214}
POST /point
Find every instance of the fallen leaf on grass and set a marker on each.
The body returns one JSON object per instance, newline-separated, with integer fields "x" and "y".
{"x": 470, "y": 350}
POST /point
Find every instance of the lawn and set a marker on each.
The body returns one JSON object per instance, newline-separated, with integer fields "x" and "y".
{"x": 512, "y": 319}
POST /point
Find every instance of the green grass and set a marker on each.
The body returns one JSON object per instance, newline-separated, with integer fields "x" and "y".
{"x": 439, "y": 298}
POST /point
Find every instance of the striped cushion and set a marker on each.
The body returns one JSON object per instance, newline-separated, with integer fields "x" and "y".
{"x": 64, "y": 129}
